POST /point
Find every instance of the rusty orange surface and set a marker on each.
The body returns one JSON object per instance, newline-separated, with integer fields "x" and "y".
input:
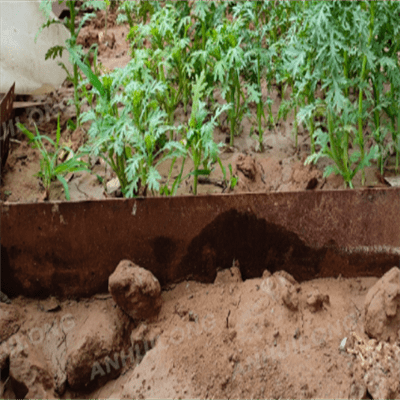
{"x": 69, "y": 249}
{"x": 6, "y": 123}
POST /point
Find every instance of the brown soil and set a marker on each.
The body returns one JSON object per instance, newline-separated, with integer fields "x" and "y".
{"x": 230, "y": 339}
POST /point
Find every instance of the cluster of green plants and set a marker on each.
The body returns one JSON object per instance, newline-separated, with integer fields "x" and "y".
{"x": 335, "y": 65}
{"x": 336, "y": 61}
{"x": 348, "y": 52}
{"x": 74, "y": 27}
{"x": 57, "y": 162}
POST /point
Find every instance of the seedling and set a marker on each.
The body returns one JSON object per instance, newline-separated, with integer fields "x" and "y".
{"x": 233, "y": 180}
{"x": 199, "y": 134}
{"x": 131, "y": 140}
{"x": 70, "y": 44}
{"x": 348, "y": 51}
{"x": 51, "y": 167}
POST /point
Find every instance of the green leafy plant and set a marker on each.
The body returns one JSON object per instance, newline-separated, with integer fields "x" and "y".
{"x": 168, "y": 56}
{"x": 233, "y": 180}
{"x": 334, "y": 65}
{"x": 263, "y": 21}
{"x": 131, "y": 138}
{"x": 346, "y": 51}
{"x": 200, "y": 143}
{"x": 136, "y": 11}
{"x": 228, "y": 63}
{"x": 71, "y": 43}
{"x": 51, "y": 167}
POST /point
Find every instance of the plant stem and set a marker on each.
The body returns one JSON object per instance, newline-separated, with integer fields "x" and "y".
{"x": 196, "y": 177}
{"x": 296, "y": 127}
{"x": 71, "y": 5}
{"x": 346, "y": 72}
{"x": 232, "y": 110}
{"x": 203, "y": 35}
{"x": 360, "y": 97}
{"x": 105, "y": 27}
{"x": 312, "y": 130}
{"x": 259, "y": 106}
{"x": 311, "y": 121}
{"x": 378, "y": 137}
{"x": 397, "y": 142}
{"x": 178, "y": 179}
{"x": 128, "y": 16}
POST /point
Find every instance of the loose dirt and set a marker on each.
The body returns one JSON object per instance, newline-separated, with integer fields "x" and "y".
{"x": 230, "y": 339}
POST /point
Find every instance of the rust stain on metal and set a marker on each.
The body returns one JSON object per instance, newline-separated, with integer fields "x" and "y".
{"x": 6, "y": 118}
{"x": 70, "y": 249}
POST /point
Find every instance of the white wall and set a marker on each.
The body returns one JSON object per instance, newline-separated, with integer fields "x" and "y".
{"x": 21, "y": 59}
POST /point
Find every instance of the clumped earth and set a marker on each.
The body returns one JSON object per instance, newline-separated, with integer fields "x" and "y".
{"x": 269, "y": 337}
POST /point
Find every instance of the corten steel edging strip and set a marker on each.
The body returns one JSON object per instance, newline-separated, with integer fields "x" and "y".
{"x": 70, "y": 248}
{"x": 6, "y": 123}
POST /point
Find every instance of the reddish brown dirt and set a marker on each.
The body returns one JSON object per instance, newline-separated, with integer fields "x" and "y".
{"x": 231, "y": 339}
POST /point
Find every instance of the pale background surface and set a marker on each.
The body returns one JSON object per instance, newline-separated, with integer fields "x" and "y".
{"x": 21, "y": 59}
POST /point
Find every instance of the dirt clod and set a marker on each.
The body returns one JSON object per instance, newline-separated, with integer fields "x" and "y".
{"x": 29, "y": 372}
{"x": 94, "y": 350}
{"x": 9, "y": 321}
{"x": 382, "y": 307}
{"x": 226, "y": 276}
{"x": 135, "y": 290}
{"x": 282, "y": 290}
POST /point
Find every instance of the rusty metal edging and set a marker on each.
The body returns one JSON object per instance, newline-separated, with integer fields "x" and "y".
{"x": 6, "y": 115}
{"x": 70, "y": 248}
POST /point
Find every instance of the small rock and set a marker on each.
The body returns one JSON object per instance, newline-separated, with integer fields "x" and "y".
{"x": 113, "y": 188}
{"x": 135, "y": 290}
{"x": 266, "y": 274}
{"x": 296, "y": 333}
{"x": 281, "y": 289}
{"x": 343, "y": 345}
{"x": 4, "y": 298}
{"x": 51, "y": 305}
{"x": 287, "y": 276}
